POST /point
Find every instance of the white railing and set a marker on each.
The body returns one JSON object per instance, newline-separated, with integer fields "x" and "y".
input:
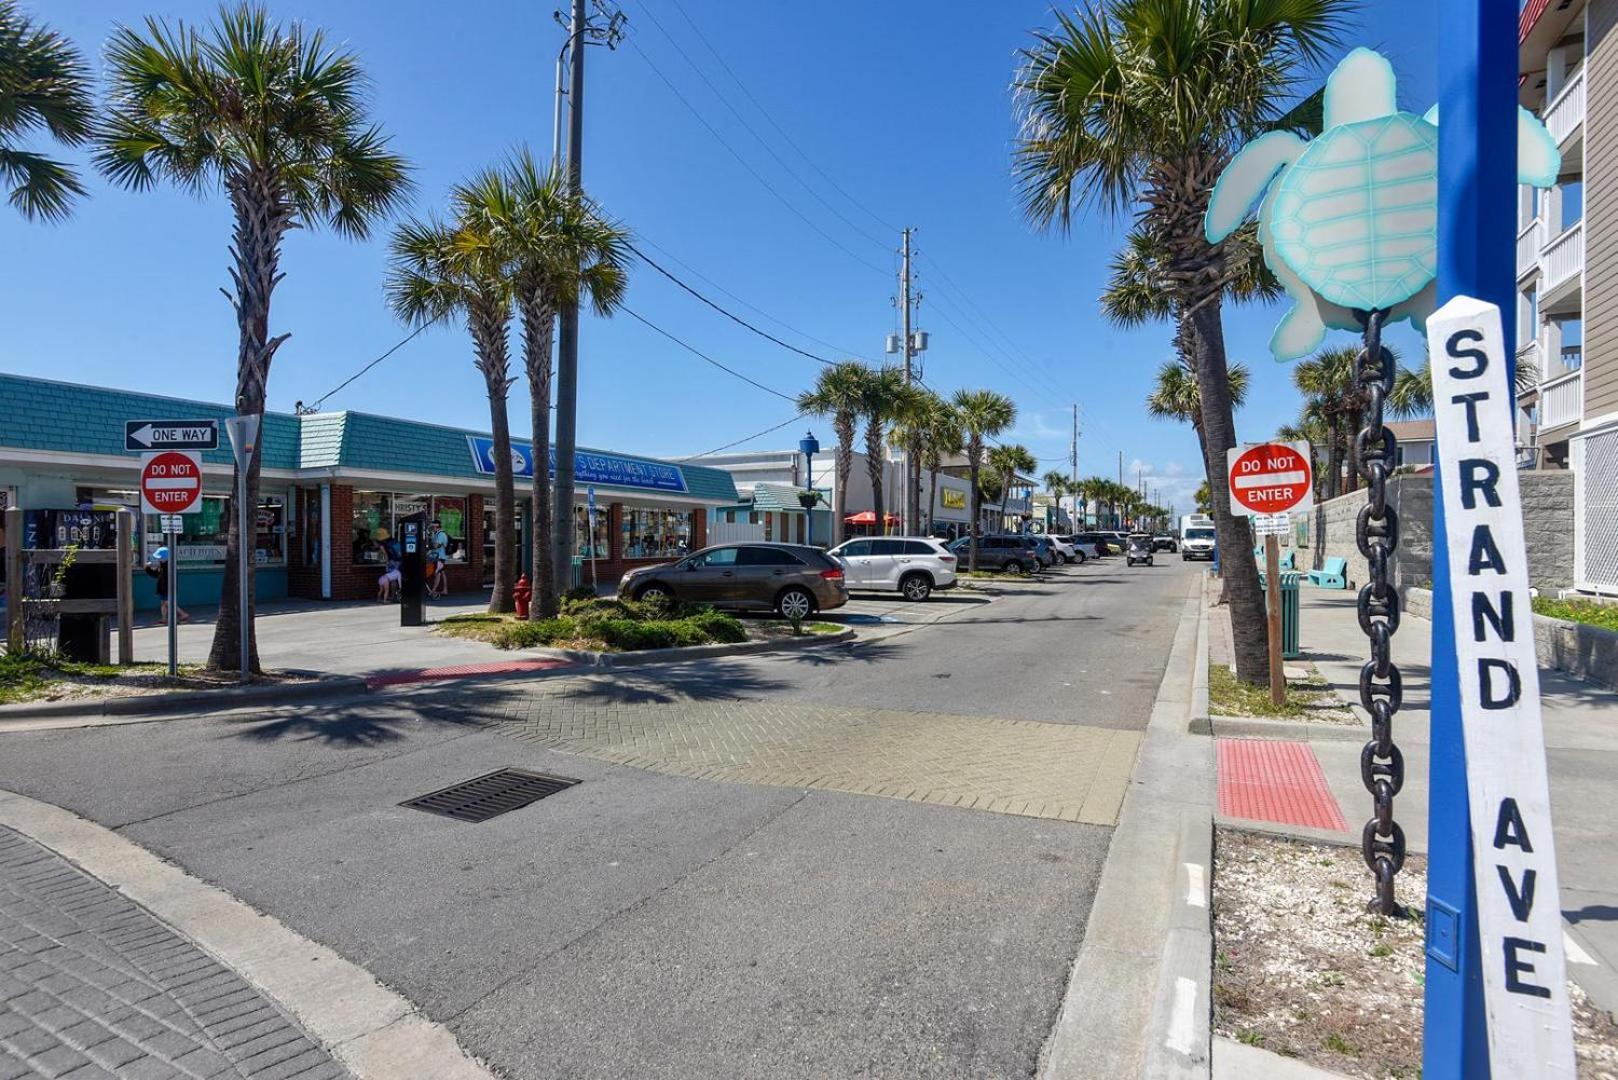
{"x": 1564, "y": 257}
{"x": 1564, "y": 115}
{"x": 1529, "y": 241}
{"x": 1561, "y": 401}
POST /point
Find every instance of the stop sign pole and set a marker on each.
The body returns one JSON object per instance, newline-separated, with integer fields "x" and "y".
{"x": 1268, "y": 482}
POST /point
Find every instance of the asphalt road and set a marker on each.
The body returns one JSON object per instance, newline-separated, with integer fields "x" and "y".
{"x": 658, "y": 925}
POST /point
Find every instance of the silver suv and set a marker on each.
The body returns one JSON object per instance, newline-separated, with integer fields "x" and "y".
{"x": 912, "y": 565}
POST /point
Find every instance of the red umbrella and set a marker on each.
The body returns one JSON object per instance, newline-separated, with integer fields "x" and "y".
{"x": 868, "y": 517}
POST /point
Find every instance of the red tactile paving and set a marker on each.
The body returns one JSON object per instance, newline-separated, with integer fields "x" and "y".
{"x": 460, "y": 671}
{"x": 1268, "y": 780}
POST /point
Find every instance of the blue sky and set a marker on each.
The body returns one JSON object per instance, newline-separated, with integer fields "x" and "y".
{"x": 906, "y": 108}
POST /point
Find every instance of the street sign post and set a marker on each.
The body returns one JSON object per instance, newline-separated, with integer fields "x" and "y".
{"x": 141, "y": 436}
{"x": 1267, "y": 482}
{"x": 171, "y": 487}
{"x": 243, "y": 432}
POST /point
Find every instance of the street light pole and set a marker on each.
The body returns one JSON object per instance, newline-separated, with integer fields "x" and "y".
{"x": 809, "y": 446}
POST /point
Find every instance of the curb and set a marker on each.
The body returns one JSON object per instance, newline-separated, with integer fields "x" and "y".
{"x": 1138, "y": 998}
{"x": 586, "y": 658}
{"x": 375, "y": 1032}
{"x": 90, "y": 709}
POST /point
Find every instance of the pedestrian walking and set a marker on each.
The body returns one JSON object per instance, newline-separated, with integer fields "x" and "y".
{"x": 158, "y": 568}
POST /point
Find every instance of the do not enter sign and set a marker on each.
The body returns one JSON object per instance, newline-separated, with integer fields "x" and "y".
{"x": 1271, "y": 478}
{"x": 171, "y": 482}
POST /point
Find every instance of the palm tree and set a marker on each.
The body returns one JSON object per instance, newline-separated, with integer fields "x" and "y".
{"x": 941, "y": 437}
{"x": 557, "y": 246}
{"x": 438, "y": 272}
{"x": 276, "y": 117}
{"x": 983, "y": 415}
{"x": 882, "y": 396}
{"x": 839, "y": 393}
{"x": 1011, "y": 462}
{"x": 44, "y": 83}
{"x": 1093, "y": 489}
{"x": 1134, "y": 108}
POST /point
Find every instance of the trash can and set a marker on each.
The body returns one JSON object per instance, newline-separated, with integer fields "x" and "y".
{"x": 578, "y": 571}
{"x": 1289, "y": 612}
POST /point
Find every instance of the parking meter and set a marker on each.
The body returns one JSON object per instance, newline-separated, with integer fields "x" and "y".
{"x": 412, "y": 569}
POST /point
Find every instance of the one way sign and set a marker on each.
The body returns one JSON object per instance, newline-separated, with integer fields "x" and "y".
{"x": 145, "y": 436}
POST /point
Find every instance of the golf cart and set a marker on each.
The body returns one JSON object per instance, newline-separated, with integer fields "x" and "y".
{"x": 1138, "y": 549}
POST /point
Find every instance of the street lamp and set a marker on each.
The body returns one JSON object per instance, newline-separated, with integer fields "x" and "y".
{"x": 809, "y": 446}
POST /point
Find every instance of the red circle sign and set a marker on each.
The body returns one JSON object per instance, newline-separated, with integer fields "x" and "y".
{"x": 1271, "y": 478}
{"x": 171, "y": 482}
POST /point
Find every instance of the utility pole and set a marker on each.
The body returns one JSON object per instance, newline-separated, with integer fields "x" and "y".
{"x": 580, "y": 33}
{"x": 911, "y": 483}
{"x": 1073, "y": 470}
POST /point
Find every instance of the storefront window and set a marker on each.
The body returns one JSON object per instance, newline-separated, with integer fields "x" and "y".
{"x": 203, "y": 534}
{"x": 377, "y": 512}
{"x": 655, "y": 534}
{"x": 587, "y": 545}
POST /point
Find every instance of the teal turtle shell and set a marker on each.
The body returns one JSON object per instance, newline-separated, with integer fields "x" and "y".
{"x": 1357, "y": 214}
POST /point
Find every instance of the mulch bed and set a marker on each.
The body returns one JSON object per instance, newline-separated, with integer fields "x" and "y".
{"x": 1302, "y": 969}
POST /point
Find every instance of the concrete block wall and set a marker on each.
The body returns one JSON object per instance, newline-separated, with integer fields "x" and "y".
{"x": 1547, "y": 499}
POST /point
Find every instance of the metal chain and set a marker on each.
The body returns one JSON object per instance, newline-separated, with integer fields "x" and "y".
{"x": 1376, "y": 531}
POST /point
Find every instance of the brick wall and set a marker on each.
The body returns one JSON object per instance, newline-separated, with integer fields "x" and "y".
{"x": 1547, "y": 507}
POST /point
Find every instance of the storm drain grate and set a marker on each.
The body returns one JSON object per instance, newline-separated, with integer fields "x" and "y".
{"x": 492, "y": 795}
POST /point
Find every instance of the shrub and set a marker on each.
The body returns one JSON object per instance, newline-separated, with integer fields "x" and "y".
{"x": 522, "y": 634}
{"x": 583, "y": 592}
{"x": 717, "y": 626}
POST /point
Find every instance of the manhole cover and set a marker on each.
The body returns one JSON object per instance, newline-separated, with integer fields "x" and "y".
{"x": 492, "y": 795}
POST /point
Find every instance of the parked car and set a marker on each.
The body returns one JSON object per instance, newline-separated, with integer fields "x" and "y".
{"x": 1065, "y": 552}
{"x": 1043, "y": 548}
{"x": 912, "y": 565}
{"x": 1139, "y": 550}
{"x": 1164, "y": 542}
{"x": 999, "y": 552}
{"x": 1083, "y": 550}
{"x": 1197, "y": 543}
{"x": 792, "y": 579}
{"x": 1104, "y": 542}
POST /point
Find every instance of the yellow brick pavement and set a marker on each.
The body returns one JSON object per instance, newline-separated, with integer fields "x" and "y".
{"x": 1063, "y": 771}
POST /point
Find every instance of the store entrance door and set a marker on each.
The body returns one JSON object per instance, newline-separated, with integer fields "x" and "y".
{"x": 524, "y": 556}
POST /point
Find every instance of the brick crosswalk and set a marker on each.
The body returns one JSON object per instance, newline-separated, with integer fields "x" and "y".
{"x": 1062, "y": 771}
{"x": 92, "y": 986}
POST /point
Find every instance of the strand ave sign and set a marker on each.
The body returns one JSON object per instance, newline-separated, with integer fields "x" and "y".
{"x": 171, "y": 482}
{"x": 1270, "y": 478}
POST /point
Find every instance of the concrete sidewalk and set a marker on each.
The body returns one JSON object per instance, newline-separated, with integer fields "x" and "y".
{"x": 1581, "y": 736}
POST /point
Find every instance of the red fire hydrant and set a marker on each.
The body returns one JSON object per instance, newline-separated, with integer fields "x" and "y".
{"x": 522, "y": 593}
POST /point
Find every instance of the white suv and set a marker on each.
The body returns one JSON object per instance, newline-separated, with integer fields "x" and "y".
{"x": 912, "y": 565}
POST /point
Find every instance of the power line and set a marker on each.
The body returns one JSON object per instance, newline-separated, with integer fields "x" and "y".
{"x": 751, "y": 307}
{"x": 969, "y": 307}
{"x": 699, "y": 353}
{"x": 734, "y": 318}
{"x": 839, "y": 245}
{"x": 779, "y": 129}
{"x": 995, "y": 352}
{"x": 768, "y": 149}
{"x": 750, "y": 438}
{"x": 401, "y": 344}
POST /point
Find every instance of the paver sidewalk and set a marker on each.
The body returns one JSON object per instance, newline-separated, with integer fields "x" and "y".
{"x": 1581, "y": 738}
{"x": 93, "y": 986}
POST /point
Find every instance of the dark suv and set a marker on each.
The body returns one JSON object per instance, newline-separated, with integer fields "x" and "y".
{"x": 1015, "y": 554}
{"x": 793, "y": 579}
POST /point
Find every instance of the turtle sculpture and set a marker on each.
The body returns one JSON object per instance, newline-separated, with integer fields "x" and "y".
{"x": 1351, "y": 225}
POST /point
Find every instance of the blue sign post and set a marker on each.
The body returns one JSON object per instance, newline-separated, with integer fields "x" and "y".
{"x": 1477, "y": 178}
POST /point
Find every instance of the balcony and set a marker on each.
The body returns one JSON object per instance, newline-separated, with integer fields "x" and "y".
{"x": 1564, "y": 117}
{"x": 1561, "y": 401}
{"x": 1562, "y": 264}
{"x": 1529, "y": 241}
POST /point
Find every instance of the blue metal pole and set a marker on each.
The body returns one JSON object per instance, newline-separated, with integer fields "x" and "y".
{"x": 1477, "y": 187}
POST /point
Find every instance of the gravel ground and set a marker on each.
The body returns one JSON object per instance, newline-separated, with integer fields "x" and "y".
{"x": 1300, "y": 968}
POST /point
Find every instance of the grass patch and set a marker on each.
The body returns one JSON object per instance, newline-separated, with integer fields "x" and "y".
{"x": 1229, "y": 696}
{"x": 603, "y": 625}
{"x": 30, "y": 676}
{"x": 1588, "y": 612}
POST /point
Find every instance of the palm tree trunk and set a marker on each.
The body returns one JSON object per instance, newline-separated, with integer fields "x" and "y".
{"x": 489, "y": 338}
{"x": 537, "y": 323}
{"x": 1352, "y": 441}
{"x": 873, "y": 468}
{"x": 976, "y": 451}
{"x": 844, "y": 426}
{"x": 1249, "y": 629}
{"x": 1005, "y": 496}
{"x": 932, "y": 494}
{"x": 262, "y": 218}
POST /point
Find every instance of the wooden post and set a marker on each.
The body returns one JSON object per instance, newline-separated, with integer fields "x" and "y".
{"x": 1272, "y": 597}
{"x": 14, "y": 581}
{"x": 126, "y": 587}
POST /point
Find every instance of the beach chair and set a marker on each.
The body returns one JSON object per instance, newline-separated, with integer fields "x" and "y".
{"x": 1333, "y": 576}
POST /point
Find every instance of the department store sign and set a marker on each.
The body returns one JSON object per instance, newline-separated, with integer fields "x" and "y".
{"x": 588, "y": 468}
